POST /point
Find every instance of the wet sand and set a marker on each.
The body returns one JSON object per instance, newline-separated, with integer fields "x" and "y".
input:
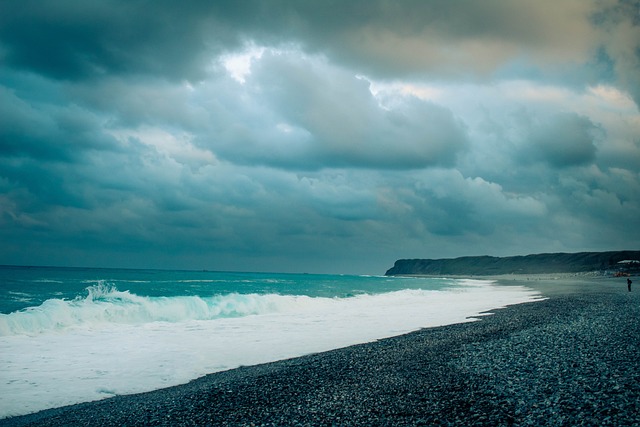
{"x": 571, "y": 359}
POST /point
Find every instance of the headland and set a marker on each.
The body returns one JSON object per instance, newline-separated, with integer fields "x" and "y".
{"x": 594, "y": 263}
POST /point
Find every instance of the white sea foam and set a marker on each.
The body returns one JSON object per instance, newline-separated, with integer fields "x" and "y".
{"x": 115, "y": 342}
{"x": 107, "y": 305}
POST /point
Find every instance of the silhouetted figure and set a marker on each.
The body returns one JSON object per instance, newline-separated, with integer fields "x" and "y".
{"x": 629, "y": 284}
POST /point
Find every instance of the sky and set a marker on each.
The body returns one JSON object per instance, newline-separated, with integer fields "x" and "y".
{"x": 316, "y": 136}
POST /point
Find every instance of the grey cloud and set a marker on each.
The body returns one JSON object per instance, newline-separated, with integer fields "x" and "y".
{"x": 450, "y": 204}
{"x": 620, "y": 40}
{"x": 313, "y": 115}
{"x": 48, "y": 131}
{"x": 397, "y": 38}
{"x": 563, "y": 140}
{"x": 445, "y": 207}
{"x": 41, "y": 146}
{"x": 577, "y": 42}
{"x": 146, "y": 102}
{"x": 22, "y": 127}
{"x": 72, "y": 39}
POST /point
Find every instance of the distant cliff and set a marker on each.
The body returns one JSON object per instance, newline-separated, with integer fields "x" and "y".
{"x": 529, "y": 264}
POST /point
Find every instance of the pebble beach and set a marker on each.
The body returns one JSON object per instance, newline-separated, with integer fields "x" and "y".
{"x": 570, "y": 359}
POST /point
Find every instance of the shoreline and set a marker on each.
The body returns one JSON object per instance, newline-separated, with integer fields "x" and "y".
{"x": 552, "y": 284}
{"x": 570, "y": 358}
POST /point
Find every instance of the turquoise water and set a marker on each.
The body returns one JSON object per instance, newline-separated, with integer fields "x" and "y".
{"x": 22, "y": 287}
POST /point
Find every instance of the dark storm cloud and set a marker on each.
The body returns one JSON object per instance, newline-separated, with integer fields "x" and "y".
{"x": 73, "y": 39}
{"x": 47, "y": 132}
{"x": 354, "y": 133}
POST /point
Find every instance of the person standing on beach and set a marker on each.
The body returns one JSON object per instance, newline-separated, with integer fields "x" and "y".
{"x": 629, "y": 284}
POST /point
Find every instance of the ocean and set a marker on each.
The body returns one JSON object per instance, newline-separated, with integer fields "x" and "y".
{"x": 71, "y": 335}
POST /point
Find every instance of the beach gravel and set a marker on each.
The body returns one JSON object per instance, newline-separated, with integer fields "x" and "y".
{"x": 570, "y": 360}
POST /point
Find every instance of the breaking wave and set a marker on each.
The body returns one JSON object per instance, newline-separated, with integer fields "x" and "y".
{"x": 105, "y": 304}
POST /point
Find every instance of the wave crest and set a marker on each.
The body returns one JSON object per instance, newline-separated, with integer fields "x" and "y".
{"x": 105, "y": 304}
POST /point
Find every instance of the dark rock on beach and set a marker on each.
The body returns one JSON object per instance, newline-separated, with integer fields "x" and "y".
{"x": 572, "y": 359}
{"x": 529, "y": 264}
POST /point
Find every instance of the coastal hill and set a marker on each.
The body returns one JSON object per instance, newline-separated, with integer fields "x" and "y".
{"x": 616, "y": 261}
